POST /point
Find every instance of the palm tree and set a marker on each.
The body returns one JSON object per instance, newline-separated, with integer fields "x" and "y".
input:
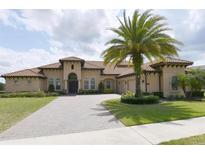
{"x": 142, "y": 36}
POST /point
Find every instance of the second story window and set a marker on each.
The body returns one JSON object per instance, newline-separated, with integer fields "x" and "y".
{"x": 72, "y": 67}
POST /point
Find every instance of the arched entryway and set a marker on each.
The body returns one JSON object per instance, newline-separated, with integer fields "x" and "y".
{"x": 72, "y": 83}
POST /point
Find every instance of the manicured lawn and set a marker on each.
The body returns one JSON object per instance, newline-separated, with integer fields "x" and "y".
{"x": 200, "y": 139}
{"x": 13, "y": 110}
{"x": 143, "y": 114}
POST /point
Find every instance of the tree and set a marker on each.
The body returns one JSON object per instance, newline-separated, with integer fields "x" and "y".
{"x": 101, "y": 87}
{"x": 183, "y": 82}
{"x": 142, "y": 36}
{"x": 194, "y": 80}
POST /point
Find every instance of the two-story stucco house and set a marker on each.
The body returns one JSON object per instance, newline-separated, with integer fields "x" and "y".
{"x": 72, "y": 74}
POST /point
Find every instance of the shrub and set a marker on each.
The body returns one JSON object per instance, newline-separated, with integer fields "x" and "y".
{"x": 51, "y": 88}
{"x": 129, "y": 94}
{"x": 101, "y": 87}
{"x": 108, "y": 91}
{"x": 190, "y": 94}
{"x": 159, "y": 94}
{"x": 175, "y": 97}
{"x": 23, "y": 94}
{"x": 145, "y": 94}
{"x": 140, "y": 100}
{"x": 88, "y": 91}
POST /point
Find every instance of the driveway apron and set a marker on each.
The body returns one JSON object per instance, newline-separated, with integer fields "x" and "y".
{"x": 66, "y": 114}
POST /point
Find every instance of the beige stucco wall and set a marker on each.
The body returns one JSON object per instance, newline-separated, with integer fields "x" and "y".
{"x": 53, "y": 73}
{"x": 167, "y": 74}
{"x": 23, "y": 85}
{"x": 128, "y": 83}
{"x": 67, "y": 70}
{"x": 87, "y": 74}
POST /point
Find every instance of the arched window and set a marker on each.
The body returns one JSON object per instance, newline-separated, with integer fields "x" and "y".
{"x": 72, "y": 76}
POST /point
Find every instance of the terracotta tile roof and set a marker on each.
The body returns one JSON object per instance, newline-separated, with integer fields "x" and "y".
{"x": 91, "y": 65}
{"x": 121, "y": 70}
{"x": 71, "y": 59}
{"x": 171, "y": 60}
{"x": 33, "y": 72}
{"x": 54, "y": 65}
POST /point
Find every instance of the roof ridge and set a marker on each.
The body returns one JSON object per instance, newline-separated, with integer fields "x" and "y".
{"x": 48, "y": 64}
{"x": 33, "y": 71}
{"x": 93, "y": 64}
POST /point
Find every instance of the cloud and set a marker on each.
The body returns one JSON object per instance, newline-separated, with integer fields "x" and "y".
{"x": 84, "y": 33}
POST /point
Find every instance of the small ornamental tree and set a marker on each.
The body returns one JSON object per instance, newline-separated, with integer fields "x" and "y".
{"x": 101, "y": 87}
{"x": 51, "y": 88}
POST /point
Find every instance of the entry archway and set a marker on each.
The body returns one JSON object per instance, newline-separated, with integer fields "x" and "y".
{"x": 72, "y": 83}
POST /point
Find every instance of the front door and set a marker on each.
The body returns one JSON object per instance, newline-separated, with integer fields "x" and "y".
{"x": 72, "y": 83}
{"x": 73, "y": 86}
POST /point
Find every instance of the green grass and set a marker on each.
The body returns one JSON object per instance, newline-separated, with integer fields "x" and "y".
{"x": 131, "y": 115}
{"x": 13, "y": 110}
{"x": 200, "y": 139}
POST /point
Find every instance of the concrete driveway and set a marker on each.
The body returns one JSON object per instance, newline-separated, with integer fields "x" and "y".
{"x": 67, "y": 114}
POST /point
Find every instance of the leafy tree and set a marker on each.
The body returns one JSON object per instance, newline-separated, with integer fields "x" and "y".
{"x": 183, "y": 82}
{"x": 101, "y": 87}
{"x": 143, "y": 35}
{"x": 194, "y": 80}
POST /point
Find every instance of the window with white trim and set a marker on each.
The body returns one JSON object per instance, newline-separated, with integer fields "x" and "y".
{"x": 86, "y": 84}
{"x": 50, "y": 82}
{"x": 92, "y": 83}
{"x": 58, "y": 84}
{"x": 108, "y": 84}
{"x": 89, "y": 83}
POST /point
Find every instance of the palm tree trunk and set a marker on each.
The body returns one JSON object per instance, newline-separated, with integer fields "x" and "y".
{"x": 138, "y": 61}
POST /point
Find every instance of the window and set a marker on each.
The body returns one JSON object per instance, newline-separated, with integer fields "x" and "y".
{"x": 86, "y": 84}
{"x": 50, "y": 82}
{"x": 16, "y": 81}
{"x": 29, "y": 81}
{"x": 58, "y": 84}
{"x": 92, "y": 83}
{"x": 174, "y": 83}
{"x": 72, "y": 67}
{"x": 108, "y": 84}
{"x": 89, "y": 84}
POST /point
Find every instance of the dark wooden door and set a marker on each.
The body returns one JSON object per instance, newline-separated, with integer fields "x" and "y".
{"x": 73, "y": 86}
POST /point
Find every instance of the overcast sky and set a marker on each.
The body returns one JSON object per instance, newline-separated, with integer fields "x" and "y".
{"x": 30, "y": 38}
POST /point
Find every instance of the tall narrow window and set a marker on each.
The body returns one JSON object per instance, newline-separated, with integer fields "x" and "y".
{"x": 86, "y": 84}
{"x": 174, "y": 83}
{"x": 92, "y": 83}
{"x": 50, "y": 82}
{"x": 72, "y": 67}
{"x": 58, "y": 84}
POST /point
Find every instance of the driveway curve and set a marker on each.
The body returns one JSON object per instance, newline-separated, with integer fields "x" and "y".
{"x": 64, "y": 115}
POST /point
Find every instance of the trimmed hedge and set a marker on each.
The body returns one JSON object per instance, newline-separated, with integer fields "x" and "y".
{"x": 150, "y": 99}
{"x": 105, "y": 91}
{"x": 28, "y": 94}
{"x": 195, "y": 94}
{"x": 88, "y": 92}
{"x": 158, "y": 93}
{"x": 108, "y": 91}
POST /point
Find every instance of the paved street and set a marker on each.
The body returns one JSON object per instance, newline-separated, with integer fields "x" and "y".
{"x": 143, "y": 134}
